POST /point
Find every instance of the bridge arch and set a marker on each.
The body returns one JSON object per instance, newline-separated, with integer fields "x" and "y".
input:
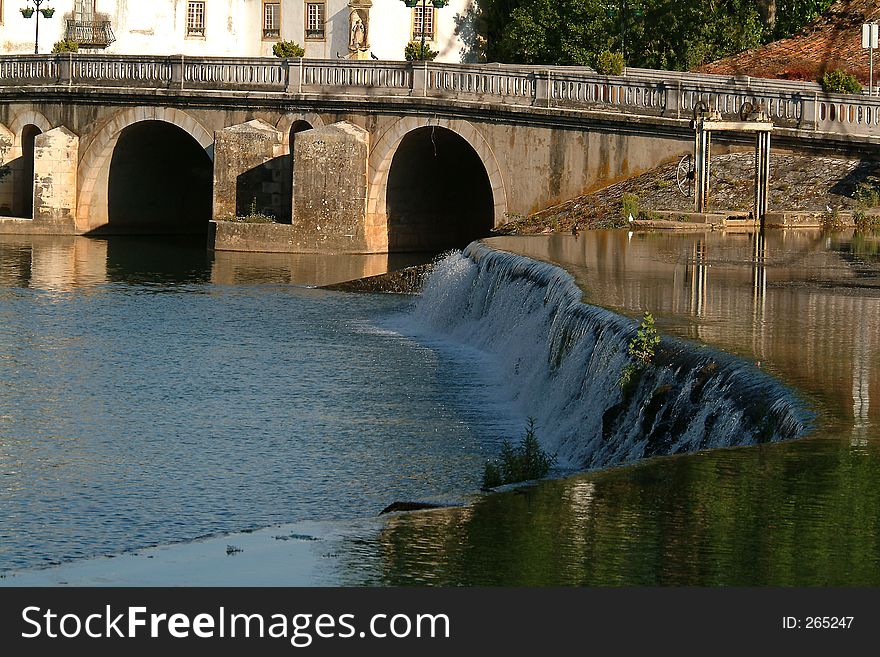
{"x": 287, "y": 125}
{"x": 23, "y": 119}
{"x": 93, "y": 209}
{"x": 25, "y": 127}
{"x": 402, "y": 145}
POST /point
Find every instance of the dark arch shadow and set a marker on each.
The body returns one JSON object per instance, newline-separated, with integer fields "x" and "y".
{"x": 23, "y": 202}
{"x": 295, "y": 127}
{"x": 160, "y": 182}
{"x": 439, "y": 195}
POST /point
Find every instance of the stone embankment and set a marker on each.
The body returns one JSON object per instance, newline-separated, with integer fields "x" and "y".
{"x": 801, "y": 186}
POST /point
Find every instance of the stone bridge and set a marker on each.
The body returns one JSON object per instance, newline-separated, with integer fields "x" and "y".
{"x": 353, "y": 156}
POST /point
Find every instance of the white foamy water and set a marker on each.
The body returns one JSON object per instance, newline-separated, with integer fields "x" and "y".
{"x": 561, "y": 361}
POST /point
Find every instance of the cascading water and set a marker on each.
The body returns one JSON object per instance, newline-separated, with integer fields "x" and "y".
{"x": 563, "y": 362}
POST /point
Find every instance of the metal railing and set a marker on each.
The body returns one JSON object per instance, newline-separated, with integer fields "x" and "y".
{"x": 670, "y": 94}
{"x": 90, "y": 34}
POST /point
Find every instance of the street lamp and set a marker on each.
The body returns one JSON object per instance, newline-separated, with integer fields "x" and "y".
{"x": 28, "y": 12}
{"x": 412, "y": 4}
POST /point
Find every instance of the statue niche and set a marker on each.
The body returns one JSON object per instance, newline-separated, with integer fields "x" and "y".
{"x": 359, "y": 28}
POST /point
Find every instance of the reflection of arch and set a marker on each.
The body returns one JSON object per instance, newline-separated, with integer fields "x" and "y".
{"x": 386, "y": 146}
{"x": 286, "y": 122}
{"x": 29, "y": 117}
{"x": 94, "y": 165}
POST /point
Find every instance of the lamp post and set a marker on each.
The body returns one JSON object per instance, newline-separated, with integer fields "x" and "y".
{"x": 28, "y": 12}
{"x": 412, "y": 4}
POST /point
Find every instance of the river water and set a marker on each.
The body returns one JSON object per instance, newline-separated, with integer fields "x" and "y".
{"x": 153, "y": 394}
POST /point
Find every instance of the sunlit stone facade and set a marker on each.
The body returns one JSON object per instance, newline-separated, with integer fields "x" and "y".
{"x": 240, "y": 28}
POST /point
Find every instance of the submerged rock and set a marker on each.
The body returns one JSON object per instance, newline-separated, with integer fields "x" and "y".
{"x": 409, "y": 506}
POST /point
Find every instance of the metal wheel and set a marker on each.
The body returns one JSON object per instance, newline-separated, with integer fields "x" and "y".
{"x": 684, "y": 175}
{"x": 745, "y": 109}
{"x": 700, "y": 109}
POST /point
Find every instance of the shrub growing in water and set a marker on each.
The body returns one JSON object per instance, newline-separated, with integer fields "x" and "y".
{"x": 644, "y": 345}
{"x": 642, "y": 349}
{"x": 288, "y": 50}
{"x": 522, "y": 462}
{"x": 839, "y": 81}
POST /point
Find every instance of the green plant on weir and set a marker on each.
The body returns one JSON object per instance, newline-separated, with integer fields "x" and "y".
{"x": 643, "y": 347}
{"x": 516, "y": 463}
{"x": 288, "y": 50}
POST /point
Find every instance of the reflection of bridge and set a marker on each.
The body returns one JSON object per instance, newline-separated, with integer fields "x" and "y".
{"x": 419, "y": 156}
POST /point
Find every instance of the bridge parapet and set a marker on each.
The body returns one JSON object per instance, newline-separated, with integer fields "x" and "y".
{"x": 670, "y": 94}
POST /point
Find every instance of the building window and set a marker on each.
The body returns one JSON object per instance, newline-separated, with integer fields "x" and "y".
{"x": 271, "y": 20}
{"x": 423, "y": 23}
{"x": 315, "y": 13}
{"x": 195, "y": 19}
{"x": 84, "y": 11}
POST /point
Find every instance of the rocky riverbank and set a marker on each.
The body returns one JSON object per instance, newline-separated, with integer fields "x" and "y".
{"x": 798, "y": 183}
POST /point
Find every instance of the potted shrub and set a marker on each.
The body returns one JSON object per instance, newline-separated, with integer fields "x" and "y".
{"x": 416, "y": 52}
{"x": 65, "y": 45}
{"x": 48, "y": 12}
{"x": 27, "y": 12}
{"x": 288, "y": 50}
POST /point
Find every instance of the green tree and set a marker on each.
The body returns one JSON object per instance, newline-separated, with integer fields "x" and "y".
{"x": 666, "y": 34}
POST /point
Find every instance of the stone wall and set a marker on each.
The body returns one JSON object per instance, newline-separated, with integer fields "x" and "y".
{"x": 330, "y": 189}
{"x": 55, "y": 164}
{"x": 251, "y": 172}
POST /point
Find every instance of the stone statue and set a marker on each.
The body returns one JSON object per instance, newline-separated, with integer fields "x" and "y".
{"x": 358, "y": 32}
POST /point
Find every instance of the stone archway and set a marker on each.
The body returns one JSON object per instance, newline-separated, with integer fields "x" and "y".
{"x": 382, "y": 158}
{"x": 94, "y": 165}
{"x": 22, "y": 119}
{"x": 287, "y": 124}
{"x": 25, "y": 126}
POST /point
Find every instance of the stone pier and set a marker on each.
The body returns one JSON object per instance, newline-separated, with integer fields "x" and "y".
{"x": 55, "y": 169}
{"x": 251, "y": 172}
{"x": 330, "y": 190}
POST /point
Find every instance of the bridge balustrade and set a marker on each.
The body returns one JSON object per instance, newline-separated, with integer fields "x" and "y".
{"x": 670, "y": 94}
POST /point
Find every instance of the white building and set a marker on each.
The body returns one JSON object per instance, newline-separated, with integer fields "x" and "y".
{"x": 238, "y": 28}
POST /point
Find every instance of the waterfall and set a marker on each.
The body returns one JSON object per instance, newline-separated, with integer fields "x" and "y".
{"x": 563, "y": 359}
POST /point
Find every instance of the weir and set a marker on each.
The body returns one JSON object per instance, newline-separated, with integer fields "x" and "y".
{"x": 563, "y": 361}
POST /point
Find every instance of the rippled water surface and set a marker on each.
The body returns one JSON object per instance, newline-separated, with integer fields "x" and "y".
{"x": 151, "y": 394}
{"x": 804, "y": 306}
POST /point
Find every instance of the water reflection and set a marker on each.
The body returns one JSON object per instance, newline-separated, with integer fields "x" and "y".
{"x": 58, "y": 263}
{"x": 803, "y": 305}
{"x": 794, "y": 514}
